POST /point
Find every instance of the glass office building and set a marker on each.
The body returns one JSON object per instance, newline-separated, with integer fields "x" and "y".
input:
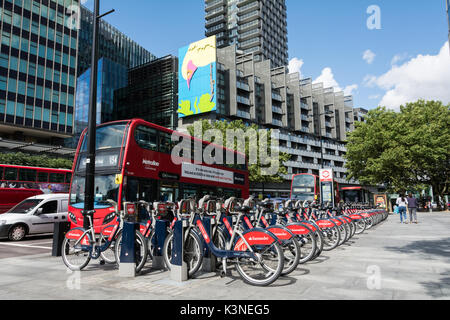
{"x": 111, "y": 76}
{"x": 38, "y": 70}
{"x": 117, "y": 53}
{"x": 151, "y": 94}
{"x": 113, "y": 44}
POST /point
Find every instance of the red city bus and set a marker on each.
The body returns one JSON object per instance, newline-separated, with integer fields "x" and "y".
{"x": 19, "y": 182}
{"x": 306, "y": 186}
{"x": 133, "y": 163}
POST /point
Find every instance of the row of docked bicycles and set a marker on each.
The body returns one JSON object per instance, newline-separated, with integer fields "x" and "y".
{"x": 261, "y": 239}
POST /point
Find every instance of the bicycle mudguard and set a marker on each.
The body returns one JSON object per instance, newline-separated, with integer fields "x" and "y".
{"x": 356, "y": 216}
{"x": 143, "y": 227}
{"x": 325, "y": 224}
{"x": 255, "y": 236}
{"x": 76, "y": 233}
{"x": 339, "y": 222}
{"x": 309, "y": 225}
{"x": 298, "y": 228}
{"x": 110, "y": 229}
{"x": 281, "y": 232}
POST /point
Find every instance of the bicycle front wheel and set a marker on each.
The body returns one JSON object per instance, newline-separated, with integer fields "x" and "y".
{"x": 331, "y": 238}
{"x": 264, "y": 270}
{"x": 140, "y": 249}
{"x": 73, "y": 257}
{"x": 109, "y": 256}
{"x": 192, "y": 253}
{"x": 291, "y": 253}
{"x": 308, "y": 244}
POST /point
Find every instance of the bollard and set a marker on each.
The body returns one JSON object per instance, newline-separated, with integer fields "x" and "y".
{"x": 209, "y": 260}
{"x": 158, "y": 243}
{"x": 178, "y": 271}
{"x": 59, "y": 232}
{"x": 127, "y": 265}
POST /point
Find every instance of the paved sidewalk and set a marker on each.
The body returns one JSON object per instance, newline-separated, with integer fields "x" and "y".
{"x": 392, "y": 261}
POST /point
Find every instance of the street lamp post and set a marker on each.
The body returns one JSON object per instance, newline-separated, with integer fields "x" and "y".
{"x": 89, "y": 196}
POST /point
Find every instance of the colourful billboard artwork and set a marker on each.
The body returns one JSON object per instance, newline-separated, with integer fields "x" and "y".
{"x": 197, "y": 81}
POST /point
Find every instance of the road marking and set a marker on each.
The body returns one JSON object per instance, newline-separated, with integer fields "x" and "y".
{"x": 39, "y": 243}
{"x": 24, "y": 246}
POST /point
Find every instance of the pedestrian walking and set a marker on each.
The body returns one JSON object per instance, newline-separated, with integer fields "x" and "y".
{"x": 413, "y": 204}
{"x": 402, "y": 204}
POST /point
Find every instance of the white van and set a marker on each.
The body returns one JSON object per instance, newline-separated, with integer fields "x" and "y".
{"x": 34, "y": 215}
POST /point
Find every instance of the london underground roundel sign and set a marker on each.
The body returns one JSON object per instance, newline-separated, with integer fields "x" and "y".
{"x": 326, "y": 175}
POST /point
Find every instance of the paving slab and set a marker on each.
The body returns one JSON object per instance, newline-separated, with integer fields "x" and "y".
{"x": 391, "y": 261}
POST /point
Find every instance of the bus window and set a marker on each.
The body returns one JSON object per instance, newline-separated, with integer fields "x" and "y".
{"x": 1, "y": 172}
{"x": 146, "y": 138}
{"x": 11, "y": 174}
{"x": 165, "y": 142}
{"x": 107, "y": 137}
{"x": 42, "y": 177}
{"x": 57, "y": 177}
{"x": 28, "y": 175}
{"x": 68, "y": 177}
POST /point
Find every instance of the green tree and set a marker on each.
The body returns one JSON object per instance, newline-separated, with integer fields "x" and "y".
{"x": 404, "y": 150}
{"x": 22, "y": 159}
{"x": 255, "y": 170}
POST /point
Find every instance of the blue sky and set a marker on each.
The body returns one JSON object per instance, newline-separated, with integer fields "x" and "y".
{"x": 328, "y": 38}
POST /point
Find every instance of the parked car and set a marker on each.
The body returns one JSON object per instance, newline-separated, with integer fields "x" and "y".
{"x": 34, "y": 215}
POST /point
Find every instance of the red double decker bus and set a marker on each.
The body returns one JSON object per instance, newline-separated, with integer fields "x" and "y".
{"x": 306, "y": 186}
{"x": 20, "y": 182}
{"x": 134, "y": 162}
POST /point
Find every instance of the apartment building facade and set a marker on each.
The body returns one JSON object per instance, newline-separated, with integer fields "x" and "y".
{"x": 254, "y": 26}
{"x": 313, "y": 121}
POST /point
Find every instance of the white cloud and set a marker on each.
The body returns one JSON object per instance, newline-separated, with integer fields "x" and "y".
{"x": 374, "y": 97}
{"x": 348, "y": 90}
{"x": 327, "y": 78}
{"x": 423, "y": 77}
{"x": 295, "y": 65}
{"x": 369, "y": 56}
{"x": 369, "y": 81}
{"x": 399, "y": 58}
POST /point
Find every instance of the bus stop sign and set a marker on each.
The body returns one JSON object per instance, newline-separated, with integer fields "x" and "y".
{"x": 327, "y": 186}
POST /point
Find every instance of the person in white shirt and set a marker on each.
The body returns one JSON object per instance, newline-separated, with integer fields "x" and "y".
{"x": 402, "y": 203}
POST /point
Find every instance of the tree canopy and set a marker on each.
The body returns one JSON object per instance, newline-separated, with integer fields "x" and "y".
{"x": 405, "y": 150}
{"x": 255, "y": 170}
{"x": 22, "y": 159}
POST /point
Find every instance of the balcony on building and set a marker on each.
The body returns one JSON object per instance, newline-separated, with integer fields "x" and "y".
{"x": 249, "y": 34}
{"x": 246, "y": 7}
{"x": 305, "y": 129}
{"x": 211, "y": 13}
{"x": 214, "y": 29}
{"x": 277, "y": 97}
{"x": 214, "y": 21}
{"x": 242, "y": 85}
{"x": 278, "y": 110}
{"x": 210, "y": 5}
{"x": 243, "y": 100}
{"x": 249, "y": 16}
{"x": 304, "y": 106}
{"x": 243, "y": 114}
{"x": 277, "y": 122}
